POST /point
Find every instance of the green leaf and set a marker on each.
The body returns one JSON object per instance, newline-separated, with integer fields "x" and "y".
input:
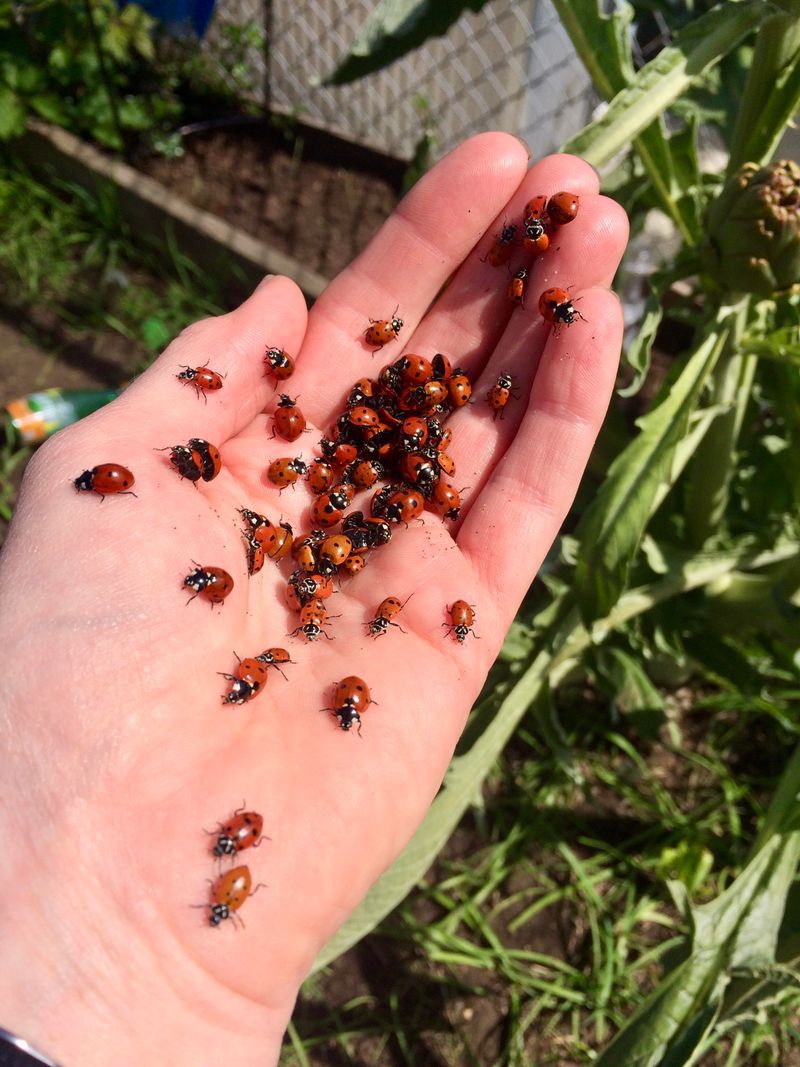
{"x": 737, "y": 930}
{"x": 614, "y": 522}
{"x": 12, "y": 113}
{"x": 394, "y": 28}
{"x": 694, "y": 49}
{"x": 638, "y": 354}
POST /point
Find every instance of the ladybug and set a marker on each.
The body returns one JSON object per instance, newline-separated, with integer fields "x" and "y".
{"x": 229, "y": 893}
{"x": 404, "y": 505}
{"x": 563, "y": 207}
{"x": 363, "y": 390}
{"x": 381, "y": 331}
{"x": 334, "y": 551}
{"x": 253, "y": 520}
{"x": 414, "y": 370}
{"x": 378, "y": 531}
{"x": 390, "y": 378}
{"x": 446, "y": 463}
{"x": 536, "y": 238}
{"x": 459, "y": 389}
{"x": 499, "y": 395}
{"x": 351, "y": 698}
{"x": 555, "y": 306}
{"x": 339, "y": 452}
{"x": 536, "y": 208}
{"x": 305, "y": 550}
{"x": 446, "y": 500}
{"x": 320, "y": 476}
{"x": 213, "y": 583}
{"x": 461, "y": 619}
{"x": 195, "y": 460}
{"x": 313, "y": 620}
{"x": 203, "y": 379}
{"x": 354, "y": 565}
{"x": 243, "y": 830}
{"x": 387, "y": 609}
{"x": 324, "y": 511}
{"x": 421, "y": 471}
{"x": 256, "y": 555}
{"x": 444, "y": 438}
{"x": 503, "y": 247}
{"x": 419, "y": 397}
{"x": 276, "y": 540}
{"x": 361, "y": 415}
{"x": 280, "y": 364}
{"x": 365, "y": 474}
{"x": 516, "y": 289}
{"x": 286, "y": 471}
{"x": 442, "y": 368}
{"x": 303, "y": 587}
{"x": 415, "y": 433}
{"x": 289, "y": 420}
{"x": 250, "y": 678}
{"x": 274, "y": 657}
{"x": 106, "y": 479}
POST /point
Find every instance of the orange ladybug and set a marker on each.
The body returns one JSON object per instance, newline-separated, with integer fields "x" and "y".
{"x": 277, "y": 362}
{"x": 516, "y": 288}
{"x": 106, "y": 479}
{"x": 499, "y": 395}
{"x": 289, "y": 421}
{"x": 503, "y": 247}
{"x": 556, "y": 306}
{"x": 203, "y": 379}
{"x": 381, "y": 331}
{"x": 286, "y": 471}
{"x": 563, "y": 207}
{"x": 462, "y": 617}
{"x": 387, "y": 609}
{"x": 351, "y": 698}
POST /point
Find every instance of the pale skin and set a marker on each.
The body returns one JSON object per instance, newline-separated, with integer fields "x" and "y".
{"x": 118, "y": 752}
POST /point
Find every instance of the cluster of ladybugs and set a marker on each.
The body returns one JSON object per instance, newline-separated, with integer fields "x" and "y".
{"x": 391, "y": 430}
{"x": 542, "y": 218}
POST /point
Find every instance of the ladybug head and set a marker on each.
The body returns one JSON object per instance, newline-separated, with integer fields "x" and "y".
{"x": 197, "y": 580}
{"x": 348, "y": 717}
{"x": 225, "y": 846}
{"x": 84, "y": 481}
{"x": 219, "y": 912}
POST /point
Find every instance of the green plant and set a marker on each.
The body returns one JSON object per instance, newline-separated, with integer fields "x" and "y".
{"x": 686, "y": 561}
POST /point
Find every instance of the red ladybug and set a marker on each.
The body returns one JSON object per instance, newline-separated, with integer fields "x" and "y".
{"x": 256, "y": 555}
{"x": 381, "y": 331}
{"x": 203, "y": 379}
{"x": 499, "y": 395}
{"x": 415, "y": 433}
{"x": 446, "y": 500}
{"x": 387, "y": 609}
{"x": 213, "y": 583}
{"x": 563, "y": 207}
{"x": 536, "y": 208}
{"x": 320, "y": 476}
{"x": 243, "y": 830}
{"x": 275, "y": 540}
{"x": 195, "y": 460}
{"x": 250, "y": 678}
{"x": 339, "y": 452}
{"x": 414, "y": 370}
{"x": 461, "y": 619}
{"x": 106, "y": 479}
{"x": 274, "y": 657}
{"x": 404, "y": 505}
{"x": 351, "y": 698}
{"x": 555, "y": 306}
{"x": 229, "y": 893}
{"x": 286, "y": 471}
{"x": 536, "y": 238}
{"x": 253, "y": 520}
{"x": 365, "y": 474}
{"x": 446, "y": 463}
{"x": 503, "y": 247}
{"x": 324, "y": 511}
{"x": 516, "y": 289}
{"x": 421, "y": 471}
{"x": 289, "y": 421}
{"x": 334, "y": 551}
{"x": 280, "y": 364}
{"x": 313, "y": 620}
{"x": 459, "y": 389}
{"x": 361, "y": 415}
{"x": 363, "y": 390}
{"x": 353, "y": 565}
{"x": 303, "y": 587}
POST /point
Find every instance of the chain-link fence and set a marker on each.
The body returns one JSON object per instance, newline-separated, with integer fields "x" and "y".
{"x": 509, "y": 67}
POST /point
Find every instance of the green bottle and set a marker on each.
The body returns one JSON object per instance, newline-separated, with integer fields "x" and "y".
{"x": 35, "y": 417}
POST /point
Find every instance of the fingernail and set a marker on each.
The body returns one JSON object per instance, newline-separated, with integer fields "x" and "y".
{"x": 263, "y": 282}
{"x": 525, "y": 145}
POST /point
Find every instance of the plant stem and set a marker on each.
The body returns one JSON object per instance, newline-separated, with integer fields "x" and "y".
{"x": 714, "y": 462}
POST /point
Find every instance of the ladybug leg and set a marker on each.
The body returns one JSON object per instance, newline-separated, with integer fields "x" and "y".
{"x": 261, "y": 885}
{"x": 400, "y": 628}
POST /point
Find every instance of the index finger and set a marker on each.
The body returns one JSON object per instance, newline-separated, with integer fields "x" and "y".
{"x": 406, "y": 264}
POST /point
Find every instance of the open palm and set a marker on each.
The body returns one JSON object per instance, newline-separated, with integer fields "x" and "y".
{"x": 117, "y": 734}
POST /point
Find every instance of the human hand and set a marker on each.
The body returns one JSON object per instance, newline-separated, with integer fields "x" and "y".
{"x": 119, "y": 752}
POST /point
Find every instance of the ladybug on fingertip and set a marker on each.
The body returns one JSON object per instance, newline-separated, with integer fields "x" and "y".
{"x": 503, "y": 247}
{"x": 499, "y": 395}
{"x": 278, "y": 363}
{"x": 563, "y": 207}
{"x": 106, "y": 479}
{"x": 516, "y": 288}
